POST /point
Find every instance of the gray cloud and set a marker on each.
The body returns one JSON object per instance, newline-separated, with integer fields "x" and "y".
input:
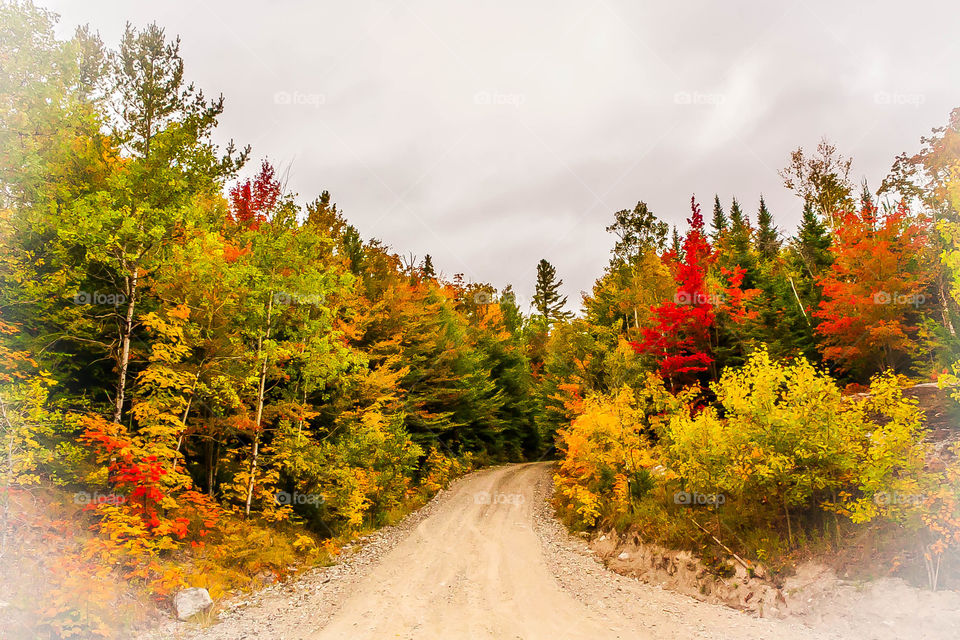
{"x": 495, "y": 133}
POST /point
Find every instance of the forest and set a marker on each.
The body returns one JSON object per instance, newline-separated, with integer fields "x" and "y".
{"x": 208, "y": 380}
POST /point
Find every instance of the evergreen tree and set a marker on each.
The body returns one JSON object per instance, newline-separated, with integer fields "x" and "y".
{"x": 739, "y": 228}
{"x": 768, "y": 240}
{"x": 675, "y": 246}
{"x": 353, "y": 249}
{"x": 736, "y": 246}
{"x": 500, "y": 338}
{"x": 813, "y": 244}
{"x": 512, "y": 316}
{"x": 426, "y": 268}
{"x": 719, "y": 222}
{"x": 809, "y": 258}
{"x": 782, "y": 325}
{"x": 547, "y": 299}
{"x": 866, "y": 198}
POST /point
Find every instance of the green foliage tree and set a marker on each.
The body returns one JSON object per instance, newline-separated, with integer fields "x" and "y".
{"x": 821, "y": 179}
{"x": 719, "y": 221}
{"x": 768, "y": 238}
{"x": 638, "y": 231}
{"x": 547, "y": 300}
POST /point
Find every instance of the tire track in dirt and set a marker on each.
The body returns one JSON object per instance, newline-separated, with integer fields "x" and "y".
{"x": 484, "y": 560}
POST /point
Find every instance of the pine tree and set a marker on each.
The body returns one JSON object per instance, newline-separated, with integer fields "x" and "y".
{"x": 547, "y": 299}
{"x": 808, "y": 259}
{"x": 768, "y": 240}
{"x": 426, "y": 268}
{"x": 736, "y": 247}
{"x": 739, "y": 227}
{"x": 866, "y": 198}
{"x": 719, "y": 222}
{"x": 813, "y": 244}
{"x": 675, "y": 246}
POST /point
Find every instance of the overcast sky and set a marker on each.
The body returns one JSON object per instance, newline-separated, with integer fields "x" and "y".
{"x": 493, "y": 133}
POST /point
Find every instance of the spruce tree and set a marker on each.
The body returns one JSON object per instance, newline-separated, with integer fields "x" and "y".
{"x": 866, "y": 198}
{"x": 780, "y": 319}
{"x": 510, "y": 310}
{"x": 737, "y": 247}
{"x": 768, "y": 240}
{"x": 675, "y": 245}
{"x": 547, "y": 299}
{"x": 739, "y": 225}
{"x": 810, "y": 258}
{"x": 426, "y": 267}
{"x": 813, "y": 243}
{"x": 719, "y": 222}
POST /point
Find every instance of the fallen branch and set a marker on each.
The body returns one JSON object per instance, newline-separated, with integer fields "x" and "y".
{"x": 746, "y": 565}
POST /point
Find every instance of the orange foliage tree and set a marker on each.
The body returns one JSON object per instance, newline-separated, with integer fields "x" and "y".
{"x": 873, "y": 293}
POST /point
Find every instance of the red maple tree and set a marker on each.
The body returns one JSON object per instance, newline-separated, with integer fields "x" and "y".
{"x": 680, "y": 334}
{"x": 251, "y": 202}
{"x": 138, "y": 476}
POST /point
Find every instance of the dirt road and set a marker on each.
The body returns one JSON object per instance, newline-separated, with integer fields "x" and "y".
{"x": 478, "y": 567}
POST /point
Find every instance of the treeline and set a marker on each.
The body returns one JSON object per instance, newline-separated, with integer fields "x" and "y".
{"x": 251, "y": 344}
{"x": 736, "y": 385}
{"x": 862, "y": 287}
{"x": 222, "y": 372}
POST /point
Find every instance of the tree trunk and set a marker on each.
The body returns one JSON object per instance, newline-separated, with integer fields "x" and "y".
{"x": 186, "y": 411}
{"x": 210, "y": 467}
{"x": 262, "y": 356}
{"x": 125, "y": 331}
{"x": 216, "y": 465}
{"x": 786, "y": 511}
{"x": 945, "y": 307}
{"x": 799, "y": 303}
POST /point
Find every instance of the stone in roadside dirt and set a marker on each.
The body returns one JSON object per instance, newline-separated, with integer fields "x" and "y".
{"x": 191, "y": 601}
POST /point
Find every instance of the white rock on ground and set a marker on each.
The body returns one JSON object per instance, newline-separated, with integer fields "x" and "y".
{"x": 460, "y": 570}
{"x": 190, "y": 602}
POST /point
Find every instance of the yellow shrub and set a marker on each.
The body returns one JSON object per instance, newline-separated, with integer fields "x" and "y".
{"x": 607, "y": 448}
